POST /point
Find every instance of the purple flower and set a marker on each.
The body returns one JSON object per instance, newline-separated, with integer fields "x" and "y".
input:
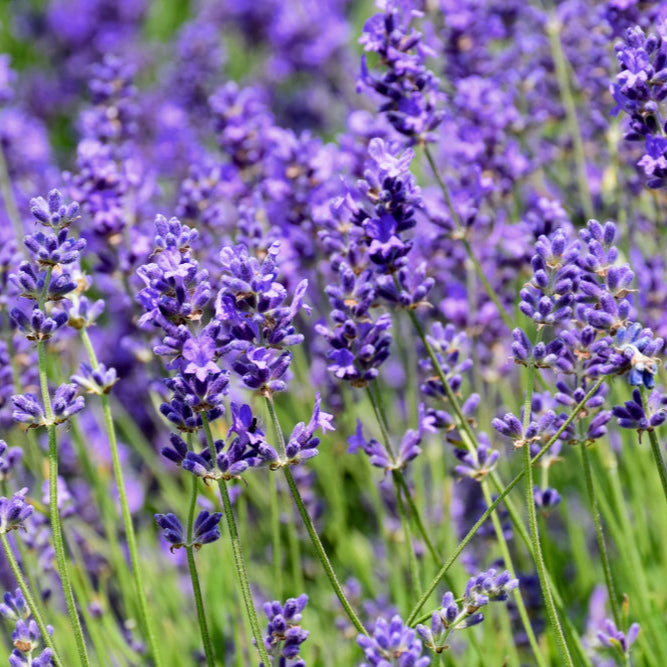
{"x": 27, "y": 639}
{"x": 478, "y": 464}
{"x": 302, "y": 443}
{"x": 284, "y": 634}
{"x": 53, "y": 212}
{"x": 14, "y": 607}
{"x": 392, "y": 643}
{"x": 96, "y": 381}
{"x": 614, "y": 638}
{"x": 637, "y": 415}
{"x": 546, "y": 499}
{"x": 14, "y": 511}
{"x": 206, "y": 529}
{"x": 409, "y": 89}
{"x": 38, "y": 326}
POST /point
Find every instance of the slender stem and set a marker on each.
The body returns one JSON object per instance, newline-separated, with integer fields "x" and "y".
{"x": 308, "y": 523}
{"x": 381, "y": 420}
{"x": 237, "y": 551}
{"x": 539, "y": 560}
{"x": 397, "y": 476}
{"x": 295, "y": 558}
{"x": 517, "y": 524}
{"x": 273, "y": 501}
{"x": 560, "y": 64}
{"x": 54, "y": 514}
{"x": 321, "y": 553}
{"x": 414, "y": 512}
{"x": 655, "y": 448}
{"x": 538, "y": 557}
{"x": 32, "y": 605}
{"x": 460, "y": 232}
{"x": 518, "y": 598}
{"x": 602, "y": 546}
{"x": 491, "y": 508}
{"x": 274, "y": 507}
{"x": 99, "y": 484}
{"x": 146, "y": 614}
{"x": 405, "y": 524}
{"x": 194, "y": 576}
{"x": 201, "y": 614}
{"x": 242, "y": 572}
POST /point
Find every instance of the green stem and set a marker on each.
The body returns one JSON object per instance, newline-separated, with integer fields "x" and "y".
{"x": 414, "y": 512}
{"x": 602, "y": 546}
{"x": 538, "y": 556}
{"x": 32, "y": 605}
{"x": 274, "y": 507}
{"x": 655, "y": 447}
{"x": 147, "y": 616}
{"x": 560, "y": 64}
{"x": 539, "y": 559}
{"x": 54, "y": 515}
{"x": 273, "y": 501}
{"x": 518, "y": 598}
{"x": 405, "y": 524}
{"x": 237, "y": 550}
{"x": 308, "y": 523}
{"x": 322, "y": 554}
{"x": 397, "y": 476}
{"x": 491, "y": 508}
{"x": 460, "y": 232}
{"x": 194, "y": 576}
{"x": 199, "y": 601}
{"x": 99, "y": 484}
{"x": 242, "y": 573}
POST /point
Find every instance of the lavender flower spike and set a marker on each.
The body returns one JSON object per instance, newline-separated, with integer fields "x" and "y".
{"x": 392, "y": 643}
{"x": 284, "y": 634}
{"x": 14, "y": 512}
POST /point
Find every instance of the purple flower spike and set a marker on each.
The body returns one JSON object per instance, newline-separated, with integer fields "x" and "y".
{"x": 392, "y": 641}
{"x": 14, "y": 511}
{"x": 284, "y": 634}
{"x": 637, "y": 415}
{"x": 614, "y": 638}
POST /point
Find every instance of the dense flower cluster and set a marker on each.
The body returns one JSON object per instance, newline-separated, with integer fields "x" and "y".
{"x": 436, "y": 226}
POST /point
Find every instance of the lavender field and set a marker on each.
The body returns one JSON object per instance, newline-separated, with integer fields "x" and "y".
{"x": 331, "y": 333}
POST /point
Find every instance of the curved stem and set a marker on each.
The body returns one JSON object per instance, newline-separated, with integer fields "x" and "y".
{"x": 538, "y": 557}
{"x": 147, "y": 617}
{"x": 539, "y": 560}
{"x": 32, "y": 605}
{"x": 491, "y": 508}
{"x": 194, "y": 576}
{"x": 518, "y": 598}
{"x": 308, "y": 523}
{"x": 602, "y": 546}
{"x": 274, "y": 506}
{"x": 237, "y": 551}
{"x": 199, "y": 602}
{"x": 322, "y": 554}
{"x": 54, "y": 514}
{"x": 655, "y": 448}
{"x": 274, "y": 510}
{"x": 405, "y": 524}
{"x": 242, "y": 573}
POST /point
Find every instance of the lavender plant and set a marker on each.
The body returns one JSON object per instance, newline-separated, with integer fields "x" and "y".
{"x": 315, "y": 288}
